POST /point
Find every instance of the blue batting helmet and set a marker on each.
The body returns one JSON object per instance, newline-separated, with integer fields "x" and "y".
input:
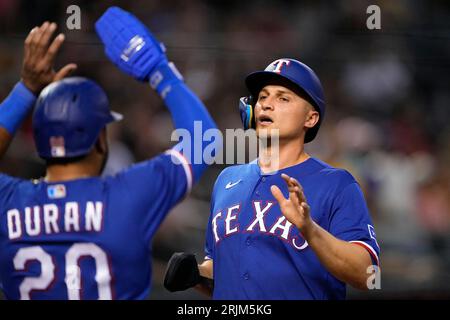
{"x": 292, "y": 72}
{"x": 68, "y": 117}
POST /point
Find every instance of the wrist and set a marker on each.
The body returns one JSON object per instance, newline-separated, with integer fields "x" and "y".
{"x": 309, "y": 230}
{"x": 16, "y": 107}
{"x": 24, "y": 90}
{"x": 32, "y": 89}
{"x": 163, "y": 77}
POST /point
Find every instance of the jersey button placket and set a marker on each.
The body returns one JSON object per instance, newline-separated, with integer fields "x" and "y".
{"x": 246, "y": 244}
{"x": 262, "y": 180}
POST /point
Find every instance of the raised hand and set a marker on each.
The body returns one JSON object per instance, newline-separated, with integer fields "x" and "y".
{"x": 295, "y": 208}
{"x": 129, "y": 44}
{"x": 39, "y": 57}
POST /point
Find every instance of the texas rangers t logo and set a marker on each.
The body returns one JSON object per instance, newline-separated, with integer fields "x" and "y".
{"x": 277, "y": 65}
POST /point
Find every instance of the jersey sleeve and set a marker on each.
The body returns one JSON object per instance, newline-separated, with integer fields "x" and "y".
{"x": 154, "y": 187}
{"x": 209, "y": 243}
{"x": 350, "y": 220}
{"x": 7, "y": 186}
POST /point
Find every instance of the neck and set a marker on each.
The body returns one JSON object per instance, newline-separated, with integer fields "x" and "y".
{"x": 71, "y": 171}
{"x": 290, "y": 153}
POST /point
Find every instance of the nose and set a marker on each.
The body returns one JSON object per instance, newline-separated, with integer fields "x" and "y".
{"x": 266, "y": 105}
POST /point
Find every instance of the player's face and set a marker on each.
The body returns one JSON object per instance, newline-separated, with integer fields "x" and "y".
{"x": 280, "y": 108}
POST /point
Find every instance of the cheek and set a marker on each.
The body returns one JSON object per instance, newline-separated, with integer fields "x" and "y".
{"x": 256, "y": 109}
{"x": 292, "y": 119}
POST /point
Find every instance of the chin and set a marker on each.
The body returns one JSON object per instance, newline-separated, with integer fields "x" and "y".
{"x": 267, "y": 132}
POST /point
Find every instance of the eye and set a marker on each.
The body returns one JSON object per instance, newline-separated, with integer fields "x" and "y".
{"x": 284, "y": 99}
{"x": 261, "y": 97}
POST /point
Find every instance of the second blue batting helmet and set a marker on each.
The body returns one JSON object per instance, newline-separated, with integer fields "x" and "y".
{"x": 292, "y": 72}
{"x": 68, "y": 117}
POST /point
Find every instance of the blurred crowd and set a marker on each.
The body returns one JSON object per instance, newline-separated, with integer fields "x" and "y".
{"x": 387, "y": 120}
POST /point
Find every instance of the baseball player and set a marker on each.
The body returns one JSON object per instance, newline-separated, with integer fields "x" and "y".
{"x": 72, "y": 234}
{"x": 295, "y": 228}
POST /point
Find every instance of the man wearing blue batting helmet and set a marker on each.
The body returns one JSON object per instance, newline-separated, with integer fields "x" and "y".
{"x": 290, "y": 227}
{"x": 69, "y": 116}
{"x": 73, "y": 234}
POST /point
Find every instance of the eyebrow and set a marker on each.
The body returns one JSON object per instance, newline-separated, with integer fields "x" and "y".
{"x": 278, "y": 91}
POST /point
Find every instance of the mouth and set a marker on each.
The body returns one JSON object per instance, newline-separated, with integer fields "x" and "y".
{"x": 265, "y": 120}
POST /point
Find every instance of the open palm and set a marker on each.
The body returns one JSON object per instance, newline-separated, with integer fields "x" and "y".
{"x": 295, "y": 208}
{"x": 39, "y": 57}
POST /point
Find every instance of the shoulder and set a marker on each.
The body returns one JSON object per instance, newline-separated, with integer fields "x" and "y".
{"x": 8, "y": 181}
{"x": 140, "y": 170}
{"x": 336, "y": 176}
{"x": 9, "y": 185}
{"x": 237, "y": 171}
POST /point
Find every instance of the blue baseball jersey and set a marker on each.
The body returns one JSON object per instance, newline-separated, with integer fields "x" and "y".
{"x": 86, "y": 238}
{"x": 258, "y": 254}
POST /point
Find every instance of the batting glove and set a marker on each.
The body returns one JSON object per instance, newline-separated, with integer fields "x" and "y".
{"x": 182, "y": 273}
{"x": 129, "y": 44}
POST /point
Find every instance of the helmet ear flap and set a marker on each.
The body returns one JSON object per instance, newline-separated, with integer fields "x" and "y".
{"x": 246, "y": 110}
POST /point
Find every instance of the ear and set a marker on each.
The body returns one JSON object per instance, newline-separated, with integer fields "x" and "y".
{"x": 312, "y": 118}
{"x": 101, "y": 145}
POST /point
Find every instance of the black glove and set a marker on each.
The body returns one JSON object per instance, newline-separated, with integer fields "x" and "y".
{"x": 182, "y": 272}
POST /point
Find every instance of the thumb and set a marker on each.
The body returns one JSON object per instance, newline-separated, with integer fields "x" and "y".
{"x": 65, "y": 71}
{"x": 276, "y": 192}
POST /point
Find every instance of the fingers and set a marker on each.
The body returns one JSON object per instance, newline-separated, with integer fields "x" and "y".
{"x": 296, "y": 193}
{"x": 299, "y": 191}
{"x": 39, "y": 55}
{"x": 35, "y": 45}
{"x": 28, "y": 41}
{"x": 288, "y": 181}
{"x": 65, "y": 71}
{"x": 37, "y": 42}
{"x": 305, "y": 207}
{"x": 286, "y": 178}
{"x": 30, "y": 36}
{"x": 302, "y": 199}
{"x": 53, "y": 49}
{"x": 294, "y": 185}
{"x": 293, "y": 195}
{"x": 46, "y": 35}
{"x": 277, "y": 194}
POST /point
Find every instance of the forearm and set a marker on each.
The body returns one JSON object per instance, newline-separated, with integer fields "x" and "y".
{"x": 189, "y": 114}
{"x": 186, "y": 108}
{"x": 344, "y": 260}
{"x": 13, "y": 110}
{"x": 134, "y": 49}
{"x": 5, "y": 139}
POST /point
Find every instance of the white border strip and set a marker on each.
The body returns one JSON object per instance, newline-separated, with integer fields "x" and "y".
{"x": 368, "y": 247}
{"x": 186, "y": 167}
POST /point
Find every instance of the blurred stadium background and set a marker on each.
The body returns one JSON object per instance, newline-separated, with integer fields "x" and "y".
{"x": 387, "y": 120}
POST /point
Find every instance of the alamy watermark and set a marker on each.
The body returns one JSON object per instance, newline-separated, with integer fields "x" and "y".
{"x": 235, "y": 147}
{"x": 374, "y": 280}
{"x": 374, "y": 20}
{"x": 73, "y": 21}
